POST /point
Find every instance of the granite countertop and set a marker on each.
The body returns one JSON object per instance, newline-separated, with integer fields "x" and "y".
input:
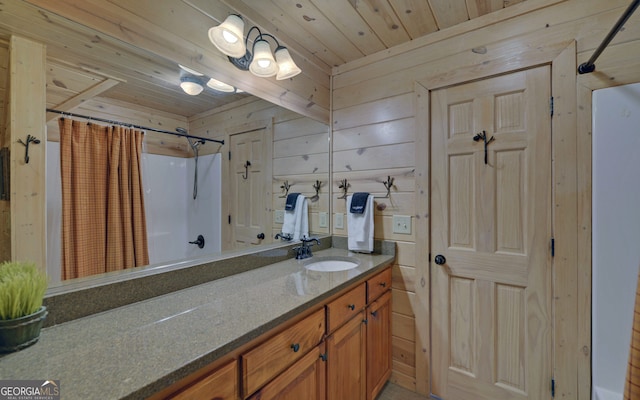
{"x": 138, "y": 349}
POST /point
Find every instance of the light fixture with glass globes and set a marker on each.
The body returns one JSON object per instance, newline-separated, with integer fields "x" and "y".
{"x": 228, "y": 38}
{"x": 193, "y": 82}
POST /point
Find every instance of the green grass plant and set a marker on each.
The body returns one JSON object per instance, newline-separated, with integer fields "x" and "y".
{"x": 22, "y": 288}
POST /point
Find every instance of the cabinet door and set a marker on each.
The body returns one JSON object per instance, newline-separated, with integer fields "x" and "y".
{"x": 220, "y": 385}
{"x": 265, "y": 361}
{"x": 303, "y": 380}
{"x": 346, "y": 361}
{"x": 378, "y": 344}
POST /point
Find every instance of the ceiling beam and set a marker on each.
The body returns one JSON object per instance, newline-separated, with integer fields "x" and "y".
{"x": 83, "y": 96}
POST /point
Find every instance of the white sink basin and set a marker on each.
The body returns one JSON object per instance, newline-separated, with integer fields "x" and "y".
{"x": 331, "y": 264}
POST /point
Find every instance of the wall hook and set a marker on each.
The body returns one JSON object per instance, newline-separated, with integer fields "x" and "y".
{"x": 317, "y": 187}
{"x": 344, "y": 185}
{"x": 483, "y": 136}
{"x": 246, "y": 169}
{"x": 26, "y": 145}
{"x": 285, "y": 188}
{"x": 388, "y": 184}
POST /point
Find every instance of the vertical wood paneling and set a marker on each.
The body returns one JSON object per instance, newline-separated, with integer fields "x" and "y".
{"x": 565, "y": 225}
{"x": 584, "y": 240}
{"x": 27, "y": 86}
{"x": 5, "y": 206}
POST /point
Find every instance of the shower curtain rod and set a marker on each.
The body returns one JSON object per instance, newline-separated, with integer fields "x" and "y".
{"x": 589, "y": 66}
{"x": 108, "y": 121}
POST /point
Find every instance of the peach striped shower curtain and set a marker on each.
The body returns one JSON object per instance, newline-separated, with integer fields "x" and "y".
{"x": 632, "y": 383}
{"x": 103, "y": 218}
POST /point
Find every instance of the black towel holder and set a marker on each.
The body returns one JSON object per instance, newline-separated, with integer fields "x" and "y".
{"x": 388, "y": 184}
{"x": 344, "y": 185}
{"x": 285, "y": 187}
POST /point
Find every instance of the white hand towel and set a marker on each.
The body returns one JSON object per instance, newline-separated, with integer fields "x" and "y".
{"x": 360, "y": 227}
{"x": 296, "y": 221}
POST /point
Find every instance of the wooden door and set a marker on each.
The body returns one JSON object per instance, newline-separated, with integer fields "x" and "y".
{"x": 248, "y": 178}
{"x": 378, "y": 344}
{"x": 491, "y": 297}
{"x": 303, "y": 380}
{"x": 346, "y": 361}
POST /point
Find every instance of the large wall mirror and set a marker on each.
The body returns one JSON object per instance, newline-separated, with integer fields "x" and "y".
{"x": 270, "y": 148}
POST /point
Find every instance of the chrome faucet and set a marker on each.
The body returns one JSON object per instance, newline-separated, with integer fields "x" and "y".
{"x": 304, "y": 250}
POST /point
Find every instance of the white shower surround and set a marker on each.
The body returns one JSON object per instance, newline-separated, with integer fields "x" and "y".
{"x": 173, "y": 217}
{"x": 616, "y": 234}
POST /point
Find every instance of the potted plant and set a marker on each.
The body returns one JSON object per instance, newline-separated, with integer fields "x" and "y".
{"x": 22, "y": 288}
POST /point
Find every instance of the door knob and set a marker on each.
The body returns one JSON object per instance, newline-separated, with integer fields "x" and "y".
{"x": 260, "y": 236}
{"x": 440, "y": 260}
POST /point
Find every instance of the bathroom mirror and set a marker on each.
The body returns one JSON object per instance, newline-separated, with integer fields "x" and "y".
{"x": 91, "y": 74}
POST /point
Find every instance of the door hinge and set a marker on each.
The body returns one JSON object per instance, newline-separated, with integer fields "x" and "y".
{"x": 553, "y": 247}
{"x": 553, "y": 387}
{"x": 229, "y": 155}
{"x": 229, "y": 219}
{"x": 551, "y": 106}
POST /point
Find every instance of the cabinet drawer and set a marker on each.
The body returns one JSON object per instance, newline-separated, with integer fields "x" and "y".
{"x": 378, "y": 285}
{"x": 270, "y": 358}
{"x": 221, "y": 384}
{"x": 346, "y": 306}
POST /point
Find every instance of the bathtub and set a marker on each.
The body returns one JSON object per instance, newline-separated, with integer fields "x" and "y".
{"x": 600, "y": 393}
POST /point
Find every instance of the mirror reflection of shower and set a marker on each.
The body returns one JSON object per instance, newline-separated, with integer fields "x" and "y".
{"x": 194, "y": 146}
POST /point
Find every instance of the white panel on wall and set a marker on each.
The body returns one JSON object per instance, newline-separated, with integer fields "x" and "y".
{"x": 616, "y": 233}
{"x": 166, "y": 192}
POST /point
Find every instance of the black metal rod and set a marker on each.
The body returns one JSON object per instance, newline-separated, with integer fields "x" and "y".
{"x": 590, "y": 66}
{"x": 108, "y": 121}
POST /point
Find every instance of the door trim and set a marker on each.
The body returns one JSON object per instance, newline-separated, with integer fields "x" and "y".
{"x": 571, "y": 347}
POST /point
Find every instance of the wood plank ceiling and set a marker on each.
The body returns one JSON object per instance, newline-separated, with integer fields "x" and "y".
{"x": 320, "y": 34}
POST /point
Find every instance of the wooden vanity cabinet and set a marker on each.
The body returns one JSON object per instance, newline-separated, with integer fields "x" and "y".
{"x": 222, "y": 384}
{"x": 346, "y": 360}
{"x": 270, "y": 358}
{"x": 306, "y": 379}
{"x": 378, "y": 332}
{"x": 378, "y": 344}
{"x": 346, "y": 341}
{"x": 338, "y": 352}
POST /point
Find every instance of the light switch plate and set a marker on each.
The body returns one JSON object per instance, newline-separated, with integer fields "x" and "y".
{"x": 279, "y": 216}
{"x": 402, "y": 224}
{"x": 322, "y": 219}
{"x": 339, "y": 220}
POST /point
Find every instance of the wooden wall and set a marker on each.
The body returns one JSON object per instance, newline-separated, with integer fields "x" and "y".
{"x": 300, "y": 151}
{"x": 380, "y": 128}
{"x": 5, "y": 217}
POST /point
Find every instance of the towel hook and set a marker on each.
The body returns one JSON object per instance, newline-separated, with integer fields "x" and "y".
{"x": 344, "y": 185}
{"x": 317, "y": 187}
{"x": 246, "y": 169}
{"x": 388, "y": 184}
{"x": 26, "y": 146}
{"x": 483, "y": 136}
{"x": 285, "y": 188}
